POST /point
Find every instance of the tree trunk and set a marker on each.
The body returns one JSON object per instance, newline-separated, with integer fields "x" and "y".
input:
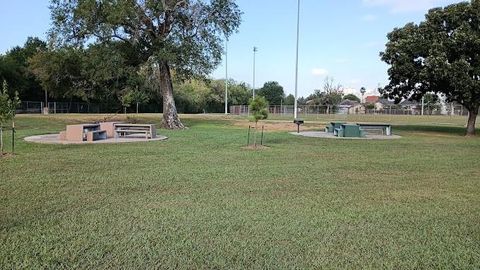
{"x": 1, "y": 141}
{"x": 13, "y": 136}
{"x": 170, "y": 117}
{"x": 472, "y": 118}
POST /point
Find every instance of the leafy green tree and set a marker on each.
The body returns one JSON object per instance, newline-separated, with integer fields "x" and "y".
{"x": 432, "y": 102}
{"x": 126, "y": 99}
{"x": 100, "y": 73}
{"x": 61, "y": 73}
{"x": 259, "y": 110}
{"x": 238, "y": 93}
{"x": 192, "y": 95}
{"x": 301, "y": 101}
{"x": 14, "y": 69}
{"x": 352, "y": 97}
{"x": 289, "y": 100}
{"x": 273, "y": 92}
{"x": 139, "y": 97}
{"x": 8, "y": 109}
{"x": 330, "y": 96}
{"x": 439, "y": 55}
{"x": 180, "y": 35}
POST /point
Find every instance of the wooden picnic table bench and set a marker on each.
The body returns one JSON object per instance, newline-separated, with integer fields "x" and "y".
{"x": 122, "y": 130}
{"x": 386, "y": 129}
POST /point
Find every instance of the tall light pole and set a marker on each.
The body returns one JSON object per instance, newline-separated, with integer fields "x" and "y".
{"x": 255, "y": 50}
{"x": 226, "y": 76}
{"x": 296, "y": 62}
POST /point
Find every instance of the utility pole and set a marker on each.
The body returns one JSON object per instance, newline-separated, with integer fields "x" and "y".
{"x": 296, "y": 63}
{"x": 423, "y": 105}
{"x": 226, "y": 76}
{"x": 255, "y": 50}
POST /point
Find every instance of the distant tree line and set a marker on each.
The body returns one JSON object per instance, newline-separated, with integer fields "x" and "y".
{"x": 103, "y": 74}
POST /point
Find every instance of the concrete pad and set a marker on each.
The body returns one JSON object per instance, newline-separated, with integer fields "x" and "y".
{"x": 55, "y": 139}
{"x": 325, "y": 135}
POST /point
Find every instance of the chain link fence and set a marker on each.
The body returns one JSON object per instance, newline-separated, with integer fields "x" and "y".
{"x": 288, "y": 110}
{"x": 33, "y": 107}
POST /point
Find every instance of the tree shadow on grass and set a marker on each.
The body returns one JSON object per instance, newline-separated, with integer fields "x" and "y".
{"x": 459, "y": 131}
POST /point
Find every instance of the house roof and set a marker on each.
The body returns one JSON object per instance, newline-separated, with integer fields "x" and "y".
{"x": 349, "y": 103}
{"x": 409, "y": 103}
{"x": 385, "y": 101}
{"x": 372, "y": 99}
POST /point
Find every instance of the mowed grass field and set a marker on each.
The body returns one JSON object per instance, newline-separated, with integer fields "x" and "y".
{"x": 199, "y": 200}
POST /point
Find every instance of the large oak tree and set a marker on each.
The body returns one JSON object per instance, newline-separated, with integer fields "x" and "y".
{"x": 439, "y": 55}
{"x": 180, "y": 35}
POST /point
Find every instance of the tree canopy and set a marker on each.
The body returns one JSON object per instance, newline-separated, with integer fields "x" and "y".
{"x": 352, "y": 97}
{"x": 272, "y": 92}
{"x": 330, "y": 96}
{"x": 184, "y": 36}
{"x": 14, "y": 69}
{"x": 259, "y": 108}
{"x": 440, "y": 55}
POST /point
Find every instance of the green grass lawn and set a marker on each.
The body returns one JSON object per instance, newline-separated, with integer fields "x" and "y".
{"x": 198, "y": 200}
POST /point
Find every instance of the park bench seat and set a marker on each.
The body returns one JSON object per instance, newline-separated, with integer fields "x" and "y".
{"x": 385, "y": 129}
{"x": 349, "y": 130}
{"x": 332, "y": 126}
{"x": 149, "y": 131}
{"x": 96, "y": 135}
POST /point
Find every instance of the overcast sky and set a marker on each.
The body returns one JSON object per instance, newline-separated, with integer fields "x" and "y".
{"x": 341, "y": 39}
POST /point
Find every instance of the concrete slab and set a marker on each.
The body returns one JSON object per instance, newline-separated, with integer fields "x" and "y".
{"x": 55, "y": 139}
{"x": 325, "y": 135}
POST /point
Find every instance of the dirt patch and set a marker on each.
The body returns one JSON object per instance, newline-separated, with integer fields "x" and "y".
{"x": 7, "y": 155}
{"x": 258, "y": 147}
{"x": 278, "y": 126}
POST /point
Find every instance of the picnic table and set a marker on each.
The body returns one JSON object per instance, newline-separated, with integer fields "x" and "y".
{"x": 332, "y": 126}
{"x": 84, "y": 132}
{"x": 349, "y": 130}
{"x": 148, "y": 130}
{"x": 386, "y": 129}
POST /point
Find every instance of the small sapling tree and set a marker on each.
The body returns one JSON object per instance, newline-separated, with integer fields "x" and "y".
{"x": 126, "y": 99}
{"x": 8, "y": 109}
{"x": 139, "y": 97}
{"x": 259, "y": 110}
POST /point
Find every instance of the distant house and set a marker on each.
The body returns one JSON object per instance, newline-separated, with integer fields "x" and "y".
{"x": 350, "y": 107}
{"x": 372, "y": 99}
{"x": 406, "y": 106}
{"x": 384, "y": 103}
{"x": 414, "y": 107}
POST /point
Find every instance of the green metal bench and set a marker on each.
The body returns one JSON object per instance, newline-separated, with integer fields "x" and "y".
{"x": 332, "y": 126}
{"x": 350, "y": 131}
